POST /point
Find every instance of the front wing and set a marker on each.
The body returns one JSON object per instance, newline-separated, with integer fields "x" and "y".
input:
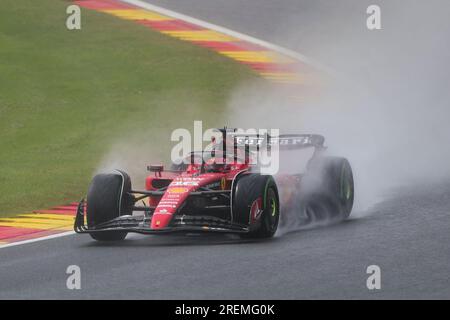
{"x": 141, "y": 224}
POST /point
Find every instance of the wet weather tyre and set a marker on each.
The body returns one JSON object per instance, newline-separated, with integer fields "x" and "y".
{"x": 256, "y": 203}
{"x": 107, "y": 199}
{"x": 328, "y": 189}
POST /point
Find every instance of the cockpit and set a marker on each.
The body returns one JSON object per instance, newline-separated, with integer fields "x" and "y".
{"x": 209, "y": 162}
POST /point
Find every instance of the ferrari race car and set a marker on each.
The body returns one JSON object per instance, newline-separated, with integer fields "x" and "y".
{"x": 220, "y": 191}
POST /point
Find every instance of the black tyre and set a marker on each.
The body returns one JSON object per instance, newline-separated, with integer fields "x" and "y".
{"x": 256, "y": 203}
{"x": 107, "y": 199}
{"x": 328, "y": 189}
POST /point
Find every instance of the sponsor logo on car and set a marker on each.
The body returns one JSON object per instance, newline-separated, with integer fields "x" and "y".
{"x": 177, "y": 190}
{"x": 223, "y": 183}
{"x": 258, "y": 141}
{"x": 185, "y": 183}
{"x": 168, "y": 202}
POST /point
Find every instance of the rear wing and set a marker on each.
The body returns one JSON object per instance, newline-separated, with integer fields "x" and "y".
{"x": 283, "y": 141}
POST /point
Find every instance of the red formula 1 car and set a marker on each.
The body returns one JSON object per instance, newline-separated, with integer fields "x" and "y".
{"x": 221, "y": 191}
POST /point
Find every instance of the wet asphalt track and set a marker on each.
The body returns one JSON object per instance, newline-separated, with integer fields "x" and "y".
{"x": 407, "y": 235}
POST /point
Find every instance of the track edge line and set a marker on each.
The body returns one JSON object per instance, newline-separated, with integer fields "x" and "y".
{"x": 53, "y": 236}
{"x": 207, "y": 25}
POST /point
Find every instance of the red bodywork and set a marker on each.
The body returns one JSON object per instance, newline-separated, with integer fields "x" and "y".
{"x": 198, "y": 194}
{"x": 182, "y": 185}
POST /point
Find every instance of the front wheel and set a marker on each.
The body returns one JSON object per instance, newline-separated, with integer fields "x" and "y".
{"x": 108, "y": 198}
{"x": 256, "y": 203}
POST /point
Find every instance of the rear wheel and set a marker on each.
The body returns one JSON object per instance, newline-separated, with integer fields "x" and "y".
{"x": 256, "y": 203}
{"x": 107, "y": 199}
{"x": 328, "y": 189}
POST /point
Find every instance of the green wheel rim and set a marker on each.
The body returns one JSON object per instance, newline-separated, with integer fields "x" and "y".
{"x": 346, "y": 190}
{"x": 273, "y": 207}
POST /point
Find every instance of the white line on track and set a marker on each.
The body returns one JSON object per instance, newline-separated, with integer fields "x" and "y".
{"x": 53, "y": 236}
{"x": 287, "y": 52}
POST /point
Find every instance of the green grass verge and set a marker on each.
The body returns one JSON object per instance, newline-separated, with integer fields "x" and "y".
{"x": 67, "y": 97}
